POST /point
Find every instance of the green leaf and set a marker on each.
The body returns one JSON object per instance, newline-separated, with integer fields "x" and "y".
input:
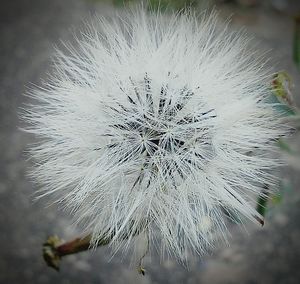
{"x": 285, "y": 147}
{"x": 266, "y": 202}
{"x": 285, "y": 188}
{"x": 262, "y": 201}
{"x": 281, "y": 96}
{"x": 296, "y": 47}
{"x": 277, "y": 198}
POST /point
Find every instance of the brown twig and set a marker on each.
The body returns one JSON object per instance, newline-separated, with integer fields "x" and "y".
{"x": 54, "y": 249}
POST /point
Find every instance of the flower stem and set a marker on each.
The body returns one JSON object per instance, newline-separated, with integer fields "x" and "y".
{"x": 54, "y": 249}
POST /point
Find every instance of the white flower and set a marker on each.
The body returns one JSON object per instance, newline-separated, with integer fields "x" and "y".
{"x": 156, "y": 122}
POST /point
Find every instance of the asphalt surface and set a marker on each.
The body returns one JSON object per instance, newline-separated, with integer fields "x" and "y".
{"x": 28, "y": 32}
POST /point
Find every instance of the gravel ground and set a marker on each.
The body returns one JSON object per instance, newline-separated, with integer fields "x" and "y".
{"x": 28, "y": 31}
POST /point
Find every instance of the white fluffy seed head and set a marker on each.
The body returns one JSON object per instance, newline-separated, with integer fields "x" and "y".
{"x": 156, "y": 122}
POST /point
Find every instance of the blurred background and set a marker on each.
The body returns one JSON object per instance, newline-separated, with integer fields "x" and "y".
{"x": 29, "y": 30}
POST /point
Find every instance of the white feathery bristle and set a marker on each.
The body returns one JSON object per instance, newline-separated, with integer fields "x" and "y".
{"x": 156, "y": 123}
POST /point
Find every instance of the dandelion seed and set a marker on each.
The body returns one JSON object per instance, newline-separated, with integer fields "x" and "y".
{"x": 150, "y": 124}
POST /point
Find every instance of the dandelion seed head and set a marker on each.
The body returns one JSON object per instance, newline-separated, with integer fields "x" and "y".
{"x": 156, "y": 123}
